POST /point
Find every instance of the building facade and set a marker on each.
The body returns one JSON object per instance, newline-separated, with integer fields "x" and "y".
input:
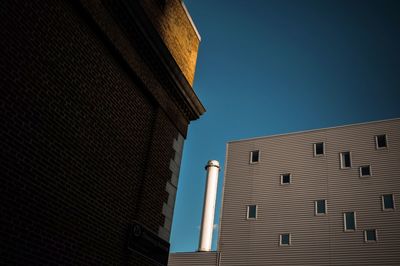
{"x": 319, "y": 197}
{"x": 96, "y": 99}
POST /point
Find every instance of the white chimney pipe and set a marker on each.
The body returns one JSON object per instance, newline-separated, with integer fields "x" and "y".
{"x": 210, "y": 196}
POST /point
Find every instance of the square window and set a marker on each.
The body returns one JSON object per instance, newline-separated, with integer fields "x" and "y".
{"x": 365, "y": 170}
{"x": 345, "y": 160}
{"x": 349, "y": 221}
{"x": 319, "y": 149}
{"x": 284, "y": 239}
{"x": 252, "y": 212}
{"x": 254, "y": 156}
{"x": 381, "y": 141}
{"x": 388, "y": 202}
{"x": 320, "y": 207}
{"x": 286, "y": 179}
{"x": 370, "y": 235}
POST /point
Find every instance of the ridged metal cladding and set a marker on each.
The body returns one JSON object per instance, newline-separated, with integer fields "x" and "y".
{"x": 212, "y": 163}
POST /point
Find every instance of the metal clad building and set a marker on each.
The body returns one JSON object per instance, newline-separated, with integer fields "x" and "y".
{"x": 322, "y": 197}
{"x": 194, "y": 259}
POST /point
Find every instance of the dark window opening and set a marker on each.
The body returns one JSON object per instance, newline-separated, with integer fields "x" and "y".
{"x": 321, "y": 206}
{"x": 370, "y": 235}
{"x": 365, "y": 170}
{"x": 254, "y": 156}
{"x": 381, "y": 141}
{"x": 319, "y": 148}
{"x": 285, "y": 239}
{"x": 285, "y": 179}
{"x": 252, "y": 212}
{"x": 345, "y": 159}
{"x": 350, "y": 221}
{"x": 388, "y": 202}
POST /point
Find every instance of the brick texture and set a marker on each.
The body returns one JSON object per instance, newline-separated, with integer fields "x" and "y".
{"x": 157, "y": 173}
{"x": 175, "y": 28}
{"x": 84, "y": 149}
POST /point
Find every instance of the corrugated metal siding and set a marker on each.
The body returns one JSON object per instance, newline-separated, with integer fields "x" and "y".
{"x": 193, "y": 259}
{"x": 316, "y": 240}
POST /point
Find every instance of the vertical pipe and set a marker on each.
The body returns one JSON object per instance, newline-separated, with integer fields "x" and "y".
{"x": 210, "y": 195}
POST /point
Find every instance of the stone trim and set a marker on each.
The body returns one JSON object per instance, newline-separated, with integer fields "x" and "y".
{"x": 171, "y": 186}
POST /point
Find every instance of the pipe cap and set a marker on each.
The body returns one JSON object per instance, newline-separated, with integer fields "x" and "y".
{"x": 212, "y": 163}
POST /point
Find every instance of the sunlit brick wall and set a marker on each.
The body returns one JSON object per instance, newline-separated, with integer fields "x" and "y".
{"x": 174, "y": 26}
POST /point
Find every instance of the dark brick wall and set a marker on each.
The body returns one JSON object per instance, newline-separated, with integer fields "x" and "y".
{"x": 157, "y": 173}
{"x": 77, "y": 135}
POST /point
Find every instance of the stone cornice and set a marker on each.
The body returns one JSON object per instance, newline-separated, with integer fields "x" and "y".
{"x": 138, "y": 33}
{"x": 181, "y": 90}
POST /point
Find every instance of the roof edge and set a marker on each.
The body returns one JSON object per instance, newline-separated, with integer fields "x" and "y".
{"x": 191, "y": 20}
{"x": 315, "y": 130}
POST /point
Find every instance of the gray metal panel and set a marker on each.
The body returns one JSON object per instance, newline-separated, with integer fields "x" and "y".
{"x": 193, "y": 259}
{"x": 316, "y": 240}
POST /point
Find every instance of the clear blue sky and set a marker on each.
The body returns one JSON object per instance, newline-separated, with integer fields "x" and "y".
{"x": 277, "y": 66}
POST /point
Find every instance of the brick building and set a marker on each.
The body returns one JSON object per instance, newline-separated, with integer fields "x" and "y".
{"x": 96, "y": 99}
{"x": 320, "y": 197}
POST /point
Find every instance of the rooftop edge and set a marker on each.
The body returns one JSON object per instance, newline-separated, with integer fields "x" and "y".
{"x": 191, "y": 20}
{"x": 315, "y": 130}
